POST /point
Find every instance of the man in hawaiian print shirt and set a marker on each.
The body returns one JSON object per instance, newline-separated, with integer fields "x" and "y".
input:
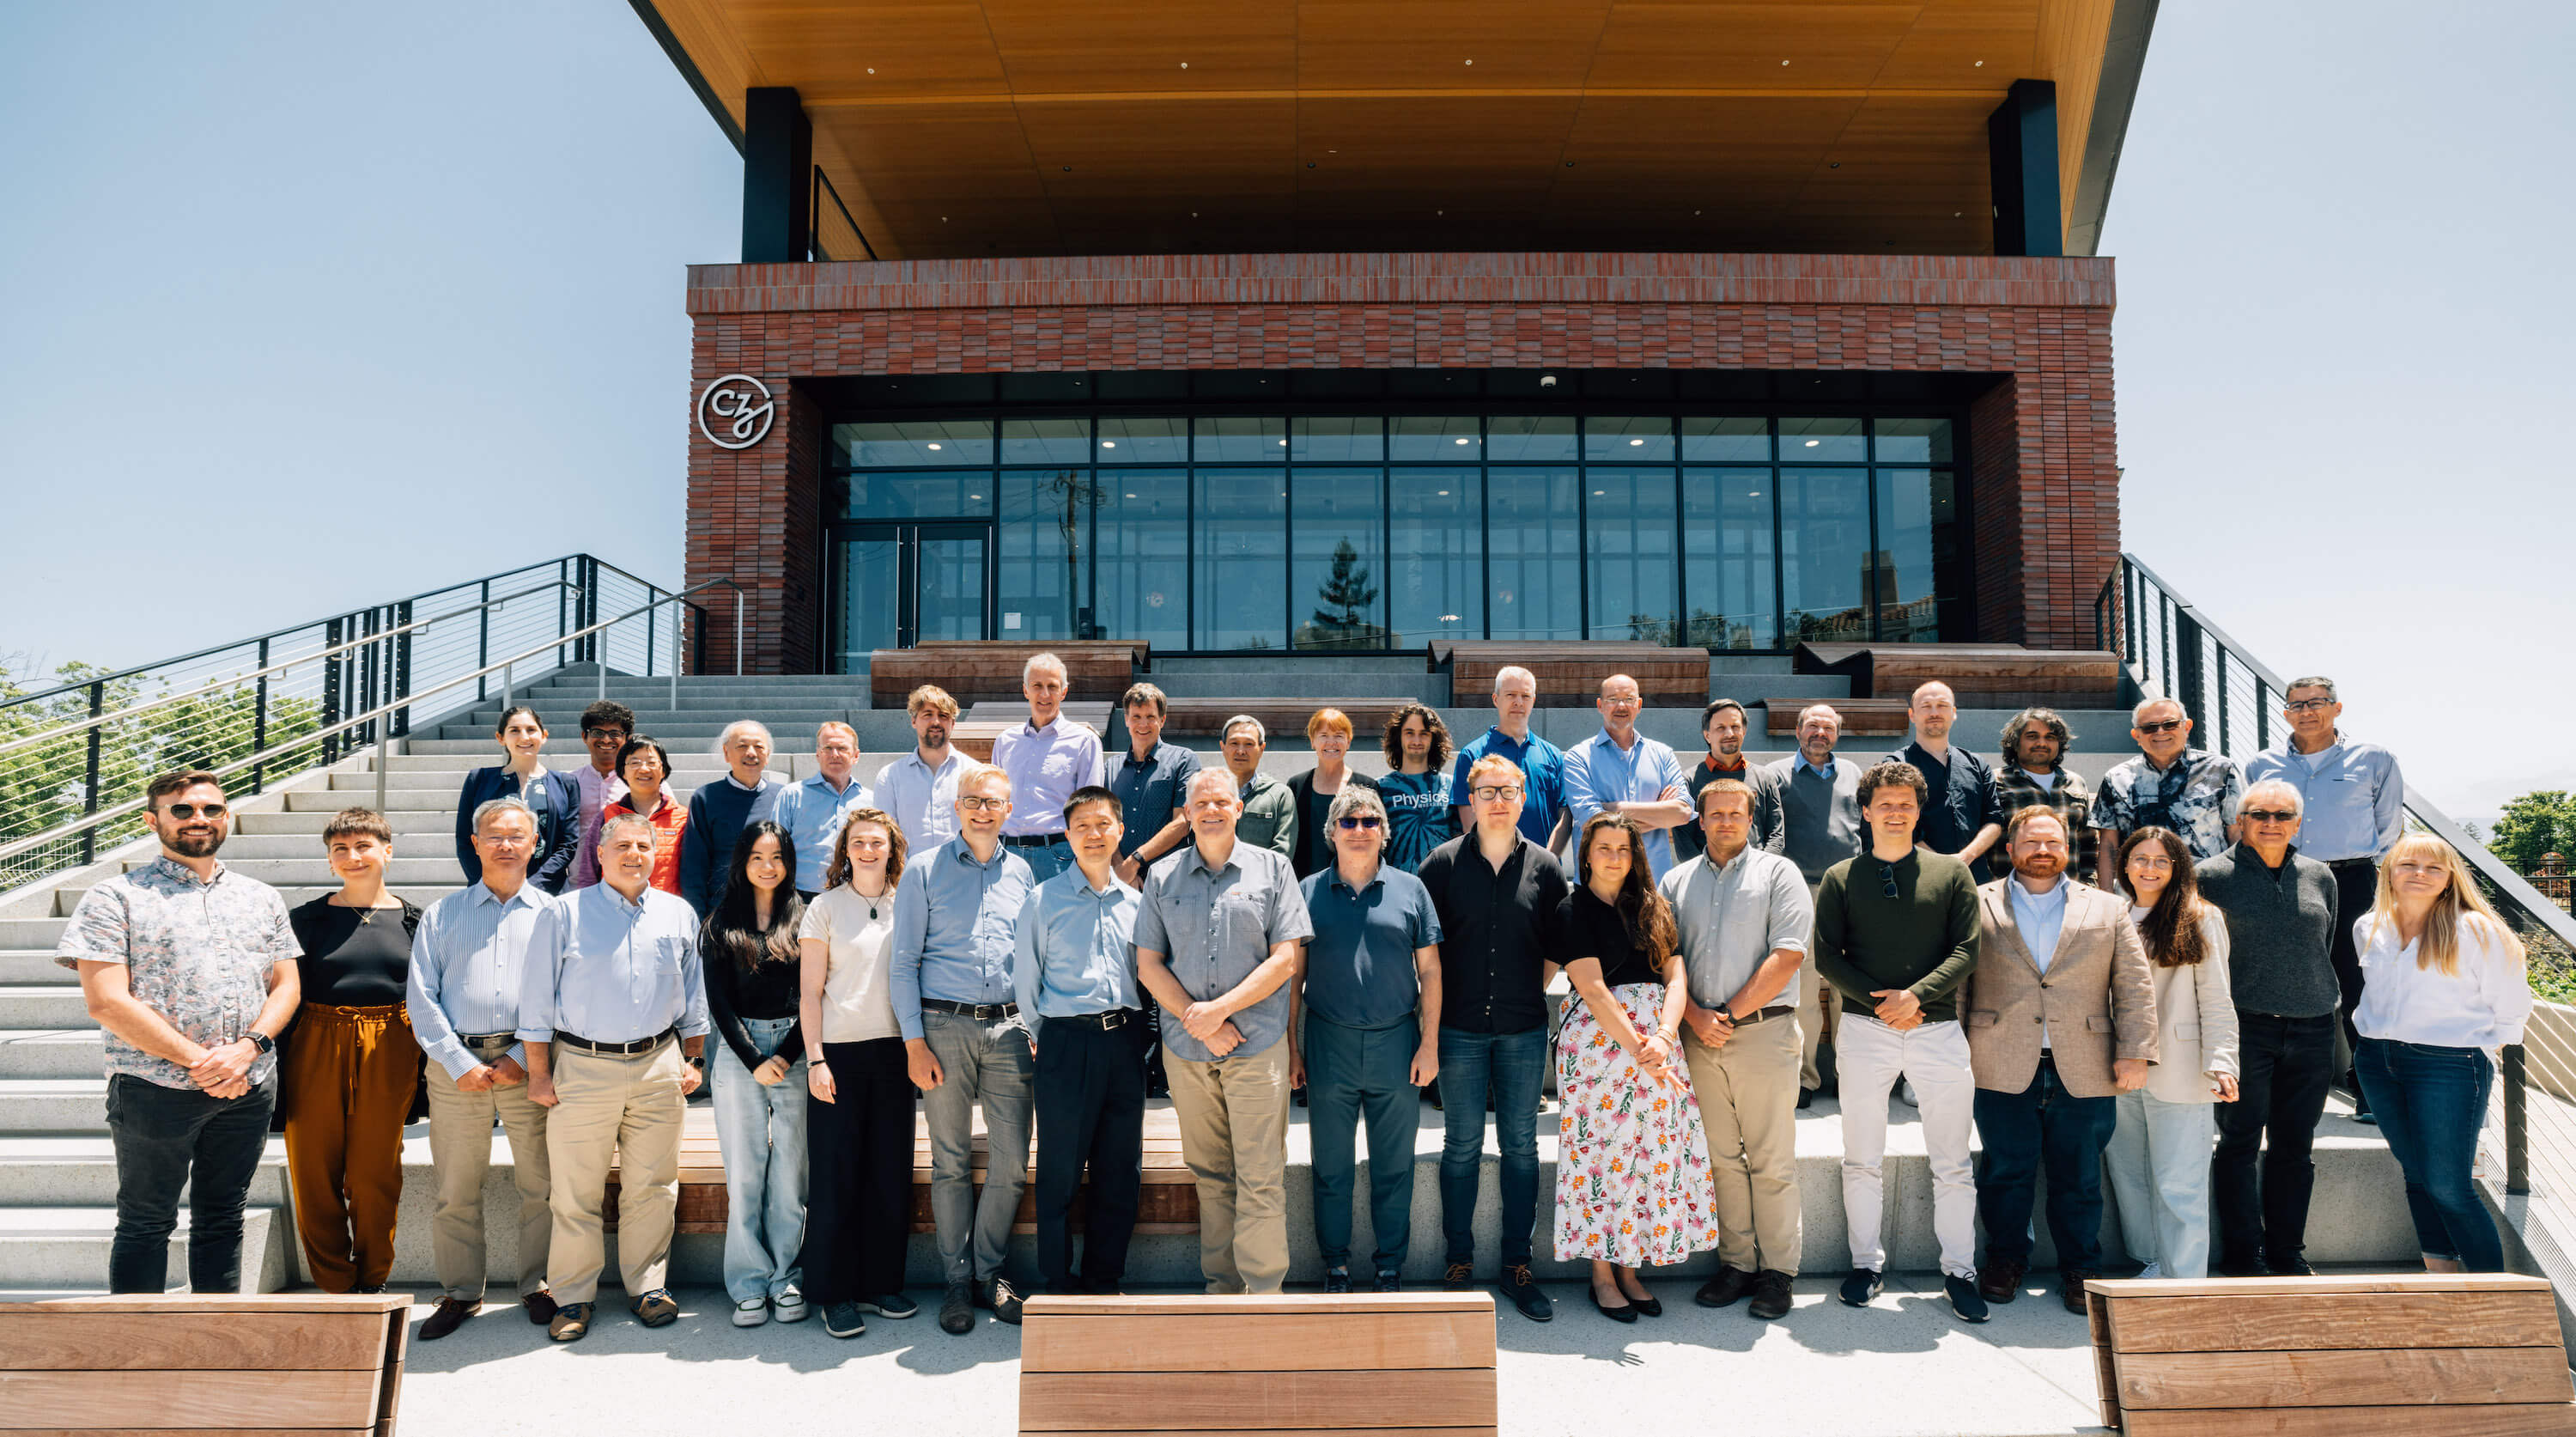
{"x": 2170, "y": 785}
{"x": 190, "y": 969}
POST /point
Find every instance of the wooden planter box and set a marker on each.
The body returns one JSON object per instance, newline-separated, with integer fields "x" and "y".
{"x": 298, "y": 1362}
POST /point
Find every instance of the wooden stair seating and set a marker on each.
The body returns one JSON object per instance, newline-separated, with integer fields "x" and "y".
{"x": 304, "y": 1362}
{"x": 983, "y": 722}
{"x": 1168, "y": 1202}
{"x": 1983, "y": 676}
{"x": 2459, "y": 1354}
{"x": 975, "y": 670}
{"x": 1570, "y": 673}
{"x": 1373, "y": 1366}
{"x": 1861, "y": 717}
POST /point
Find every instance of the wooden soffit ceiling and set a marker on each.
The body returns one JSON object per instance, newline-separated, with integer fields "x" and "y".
{"x": 975, "y": 127}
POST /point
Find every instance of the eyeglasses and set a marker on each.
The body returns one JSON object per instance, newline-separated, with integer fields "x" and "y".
{"x": 618, "y": 734}
{"x": 2269, "y": 815}
{"x": 1358, "y": 820}
{"x": 184, "y": 811}
{"x": 2160, "y": 726}
{"x": 1887, "y": 880}
{"x": 984, "y": 804}
{"x": 2303, "y": 706}
{"x": 1491, "y": 792}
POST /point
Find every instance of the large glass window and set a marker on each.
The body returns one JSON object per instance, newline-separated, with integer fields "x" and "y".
{"x": 1242, "y": 441}
{"x": 1454, "y": 439}
{"x": 1436, "y": 582}
{"x": 941, "y": 442}
{"x": 1144, "y": 441}
{"x": 1541, "y": 437}
{"x": 1045, "y": 536}
{"x": 1046, "y": 441}
{"x": 1629, "y": 552}
{"x": 1824, "y": 554}
{"x": 1611, "y": 440}
{"x": 1337, "y": 441}
{"x": 1728, "y": 576}
{"x": 1915, "y": 519}
{"x": 1336, "y": 579}
{"x": 1536, "y": 557}
{"x": 1822, "y": 441}
{"x": 1142, "y": 548}
{"x": 1240, "y": 585}
{"x": 920, "y": 494}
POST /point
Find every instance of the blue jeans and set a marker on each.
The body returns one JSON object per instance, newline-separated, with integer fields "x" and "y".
{"x": 1348, "y": 1070}
{"x": 1046, "y": 862}
{"x": 762, "y": 1132}
{"x": 2043, "y": 1124}
{"x": 2430, "y": 1102}
{"x": 169, "y": 1138}
{"x": 1511, "y": 1066}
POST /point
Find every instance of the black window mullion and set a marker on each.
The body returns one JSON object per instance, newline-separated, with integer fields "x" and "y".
{"x": 1779, "y": 551}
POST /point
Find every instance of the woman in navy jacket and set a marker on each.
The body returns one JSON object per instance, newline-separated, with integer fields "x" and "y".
{"x": 553, "y": 795}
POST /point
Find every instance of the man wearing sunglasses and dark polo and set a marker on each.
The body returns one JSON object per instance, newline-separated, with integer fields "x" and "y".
{"x": 2169, "y": 784}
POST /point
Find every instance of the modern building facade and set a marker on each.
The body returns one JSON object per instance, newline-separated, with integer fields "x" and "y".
{"x": 1727, "y": 326}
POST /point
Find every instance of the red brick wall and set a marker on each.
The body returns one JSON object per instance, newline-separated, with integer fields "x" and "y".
{"x": 2043, "y": 450}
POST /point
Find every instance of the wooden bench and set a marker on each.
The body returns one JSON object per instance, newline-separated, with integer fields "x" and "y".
{"x": 975, "y": 670}
{"x": 1570, "y": 673}
{"x": 2459, "y": 1354}
{"x": 1206, "y": 717}
{"x": 1371, "y": 1366}
{"x": 285, "y": 1362}
{"x": 1167, "y": 1203}
{"x": 1861, "y": 717}
{"x": 1982, "y": 676}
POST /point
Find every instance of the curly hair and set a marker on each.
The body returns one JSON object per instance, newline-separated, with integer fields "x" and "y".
{"x": 1441, "y": 748}
{"x": 2047, "y": 719}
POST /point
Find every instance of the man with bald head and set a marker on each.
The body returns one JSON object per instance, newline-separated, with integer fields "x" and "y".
{"x": 1964, "y": 817}
{"x": 1545, "y": 820}
{"x": 1047, "y": 758}
{"x": 1620, "y": 770}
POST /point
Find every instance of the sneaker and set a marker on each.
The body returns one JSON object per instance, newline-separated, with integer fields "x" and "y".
{"x": 2151, "y": 1272}
{"x": 1770, "y": 1295}
{"x": 658, "y": 1308}
{"x": 2365, "y": 1117}
{"x": 2070, "y": 1290}
{"x": 2000, "y": 1281}
{"x": 1862, "y": 1287}
{"x": 570, "y": 1323}
{"x": 1522, "y": 1289}
{"x": 1458, "y": 1278}
{"x": 788, "y": 1306}
{"x": 1724, "y": 1290}
{"x": 893, "y": 1304}
{"x": 1337, "y": 1281}
{"x": 842, "y": 1319}
{"x": 1004, "y": 1299}
{"x": 1964, "y": 1299}
{"x": 751, "y": 1312}
{"x": 957, "y": 1309}
{"x": 1390, "y": 1281}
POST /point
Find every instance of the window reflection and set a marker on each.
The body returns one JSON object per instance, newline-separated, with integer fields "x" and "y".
{"x": 1536, "y": 559}
{"x": 1824, "y": 538}
{"x": 1629, "y": 537}
{"x": 1336, "y": 588}
{"x": 1046, "y": 525}
{"x": 1727, "y": 577}
{"x": 1142, "y": 543}
{"x": 1436, "y": 585}
{"x": 1238, "y": 594}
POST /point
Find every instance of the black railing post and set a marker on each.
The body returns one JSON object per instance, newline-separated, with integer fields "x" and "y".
{"x": 595, "y": 651}
{"x": 2262, "y": 717}
{"x": 2129, "y": 591}
{"x": 402, "y": 667}
{"x": 2220, "y": 747}
{"x": 483, "y": 643}
{"x": 331, "y": 708}
{"x": 650, "y": 593}
{"x": 259, "y": 723}
{"x": 563, "y": 624}
{"x": 2517, "y": 1124}
{"x": 2189, "y": 678}
{"x": 89, "y": 785}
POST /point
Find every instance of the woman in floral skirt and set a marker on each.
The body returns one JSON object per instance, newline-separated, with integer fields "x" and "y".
{"x": 1632, "y": 1176}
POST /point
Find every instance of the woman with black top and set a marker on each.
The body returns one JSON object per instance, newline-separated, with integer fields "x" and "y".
{"x": 351, "y": 1069}
{"x": 749, "y": 948}
{"x": 553, "y": 797}
{"x": 1632, "y": 1177}
{"x": 1329, "y": 733}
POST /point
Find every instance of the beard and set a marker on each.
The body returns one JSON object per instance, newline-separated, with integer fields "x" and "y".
{"x": 196, "y": 844}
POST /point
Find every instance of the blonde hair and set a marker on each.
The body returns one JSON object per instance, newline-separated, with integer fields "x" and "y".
{"x": 2460, "y": 906}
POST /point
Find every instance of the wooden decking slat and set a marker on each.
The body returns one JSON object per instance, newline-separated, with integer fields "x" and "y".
{"x": 2258, "y": 1322}
{"x": 2550, "y": 1419}
{"x": 1256, "y": 1401}
{"x": 350, "y": 1340}
{"x": 1226, "y": 1342}
{"x": 2370, "y": 1377}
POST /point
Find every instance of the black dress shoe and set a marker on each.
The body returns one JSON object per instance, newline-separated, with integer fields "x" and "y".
{"x": 1806, "y": 1099}
{"x": 2001, "y": 1281}
{"x": 1770, "y": 1295}
{"x": 2294, "y": 1266}
{"x": 540, "y": 1305}
{"x": 2241, "y": 1266}
{"x": 1725, "y": 1289}
{"x": 449, "y": 1315}
{"x": 1624, "y": 1312}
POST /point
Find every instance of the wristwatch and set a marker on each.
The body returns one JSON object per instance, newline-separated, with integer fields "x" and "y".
{"x": 261, "y": 1041}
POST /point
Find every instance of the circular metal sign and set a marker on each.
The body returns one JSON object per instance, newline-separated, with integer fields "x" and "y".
{"x": 734, "y": 412}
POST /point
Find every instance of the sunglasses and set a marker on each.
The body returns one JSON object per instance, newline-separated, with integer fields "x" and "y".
{"x": 2271, "y": 815}
{"x": 2160, "y": 726}
{"x": 1358, "y": 820}
{"x": 1887, "y": 880}
{"x": 185, "y": 811}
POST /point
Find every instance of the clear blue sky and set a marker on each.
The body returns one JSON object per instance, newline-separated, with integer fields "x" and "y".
{"x": 306, "y": 306}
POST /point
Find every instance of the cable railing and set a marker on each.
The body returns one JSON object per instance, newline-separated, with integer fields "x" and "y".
{"x": 2173, "y": 651}
{"x": 74, "y": 758}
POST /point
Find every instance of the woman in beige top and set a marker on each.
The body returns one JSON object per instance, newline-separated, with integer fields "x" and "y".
{"x": 859, "y": 1122}
{"x": 2159, "y": 1153}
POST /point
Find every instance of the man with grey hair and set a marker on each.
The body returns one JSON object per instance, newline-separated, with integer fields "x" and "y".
{"x": 1268, "y": 817}
{"x": 468, "y": 959}
{"x": 2355, "y": 811}
{"x": 2281, "y": 911}
{"x": 720, "y": 811}
{"x": 1047, "y": 758}
{"x": 1545, "y": 820}
{"x": 2034, "y": 775}
{"x": 1369, "y": 984}
{"x": 1821, "y": 826}
{"x": 2168, "y": 785}
{"x": 811, "y": 810}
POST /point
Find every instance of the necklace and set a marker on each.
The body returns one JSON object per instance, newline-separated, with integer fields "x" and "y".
{"x": 871, "y": 902}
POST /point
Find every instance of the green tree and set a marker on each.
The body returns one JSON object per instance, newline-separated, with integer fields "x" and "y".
{"x": 2533, "y": 825}
{"x": 1347, "y": 599}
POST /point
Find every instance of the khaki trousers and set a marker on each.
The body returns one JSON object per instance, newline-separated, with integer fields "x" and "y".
{"x": 460, "y": 1147}
{"x": 624, "y": 1112}
{"x": 1819, "y": 1006}
{"x": 350, "y": 1077}
{"x": 1748, "y": 1104}
{"x": 1234, "y": 1136}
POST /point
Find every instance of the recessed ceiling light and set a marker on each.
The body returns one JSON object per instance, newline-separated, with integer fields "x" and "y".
{"x": 872, "y": 69}
{"x": 1471, "y": 62}
{"x": 974, "y": 496}
{"x": 1463, "y": 441}
{"x": 1784, "y": 64}
{"x": 1634, "y": 443}
{"x": 1186, "y": 64}
{"x": 1131, "y": 496}
{"x": 1283, "y": 443}
{"x": 1981, "y": 64}
{"x": 1749, "y": 494}
{"x": 1598, "y": 493}
{"x": 934, "y": 446}
{"x": 1444, "y": 493}
{"x": 1108, "y": 443}
{"x": 1812, "y": 443}
{"x": 943, "y": 219}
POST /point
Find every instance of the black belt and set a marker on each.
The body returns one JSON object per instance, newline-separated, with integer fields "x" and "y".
{"x": 615, "y": 1050}
{"x": 980, "y": 1012}
{"x": 2343, "y": 863}
{"x": 1107, "y": 1022}
{"x": 1031, "y": 840}
{"x": 485, "y": 1040}
{"x": 1776, "y": 1010}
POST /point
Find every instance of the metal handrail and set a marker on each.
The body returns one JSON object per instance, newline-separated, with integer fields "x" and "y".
{"x": 185, "y": 695}
{"x": 383, "y": 735}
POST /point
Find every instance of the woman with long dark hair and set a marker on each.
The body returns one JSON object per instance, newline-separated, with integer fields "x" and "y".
{"x": 552, "y": 796}
{"x": 1632, "y": 1178}
{"x": 750, "y": 950}
{"x": 2159, "y": 1151}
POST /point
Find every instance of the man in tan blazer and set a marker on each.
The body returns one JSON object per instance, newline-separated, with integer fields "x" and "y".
{"x": 2061, "y": 1014}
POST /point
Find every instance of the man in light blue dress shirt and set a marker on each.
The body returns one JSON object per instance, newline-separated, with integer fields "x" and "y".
{"x": 1047, "y": 758}
{"x": 1620, "y": 770}
{"x": 1075, "y": 969}
{"x": 468, "y": 964}
{"x": 956, "y": 916}
{"x": 612, "y": 979}
{"x": 920, "y": 788}
{"x": 811, "y": 811}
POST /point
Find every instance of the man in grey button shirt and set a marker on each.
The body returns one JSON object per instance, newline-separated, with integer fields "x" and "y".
{"x": 1744, "y": 917}
{"x": 1216, "y": 942}
{"x": 1820, "y": 813}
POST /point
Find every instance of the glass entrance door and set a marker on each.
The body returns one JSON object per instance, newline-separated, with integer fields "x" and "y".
{"x": 901, "y": 584}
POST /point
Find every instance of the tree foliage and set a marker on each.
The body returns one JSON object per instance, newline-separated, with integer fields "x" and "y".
{"x": 2533, "y": 826}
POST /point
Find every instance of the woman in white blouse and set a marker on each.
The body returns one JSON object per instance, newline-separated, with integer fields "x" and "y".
{"x": 2159, "y": 1153}
{"x": 859, "y": 1122}
{"x": 2442, "y": 987}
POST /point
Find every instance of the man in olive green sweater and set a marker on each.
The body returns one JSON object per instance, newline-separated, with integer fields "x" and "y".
{"x": 1896, "y": 934}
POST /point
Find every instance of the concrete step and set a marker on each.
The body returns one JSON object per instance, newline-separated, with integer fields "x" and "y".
{"x": 24, "y": 934}
{"x": 53, "y": 1105}
{"x": 718, "y": 712}
{"x": 67, "y": 1247}
{"x": 313, "y": 871}
{"x": 840, "y": 693}
{"x": 20, "y": 967}
{"x": 423, "y": 894}
{"x": 1315, "y": 682}
{"x": 80, "y": 1171}
{"x": 50, "y": 1053}
{"x": 700, "y": 735}
{"x": 44, "y": 1007}
{"x": 1754, "y": 688}
{"x": 327, "y": 801}
{"x": 687, "y": 768}
{"x": 409, "y": 825}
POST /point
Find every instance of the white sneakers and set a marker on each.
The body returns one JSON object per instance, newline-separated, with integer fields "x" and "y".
{"x": 790, "y": 1305}
{"x": 751, "y": 1312}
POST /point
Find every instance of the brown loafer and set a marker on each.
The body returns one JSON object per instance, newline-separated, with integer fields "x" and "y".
{"x": 449, "y": 1315}
{"x": 540, "y": 1305}
{"x": 2001, "y": 1281}
{"x": 571, "y": 1322}
{"x": 657, "y": 1308}
{"x": 2070, "y": 1290}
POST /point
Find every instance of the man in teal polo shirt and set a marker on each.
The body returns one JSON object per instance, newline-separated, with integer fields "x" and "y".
{"x": 1544, "y": 818}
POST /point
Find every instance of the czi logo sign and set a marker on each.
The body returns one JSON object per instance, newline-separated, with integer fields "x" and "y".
{"x": 734, "y": 412}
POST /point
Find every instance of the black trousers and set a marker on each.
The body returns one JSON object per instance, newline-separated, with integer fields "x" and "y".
{"x": 858, "y": 1154}
{"x": 2286, "y": 1065}
{"x": 167, "y": 1139}
{"x": 1090, "y": 1110}
{"x": 2356, "y": 888}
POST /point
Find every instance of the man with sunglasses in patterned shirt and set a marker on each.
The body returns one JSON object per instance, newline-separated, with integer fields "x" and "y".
{"x": 2168, "y": 785}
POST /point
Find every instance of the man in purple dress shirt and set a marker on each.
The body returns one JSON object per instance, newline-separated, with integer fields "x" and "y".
{"x": 1047, "y": 758}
